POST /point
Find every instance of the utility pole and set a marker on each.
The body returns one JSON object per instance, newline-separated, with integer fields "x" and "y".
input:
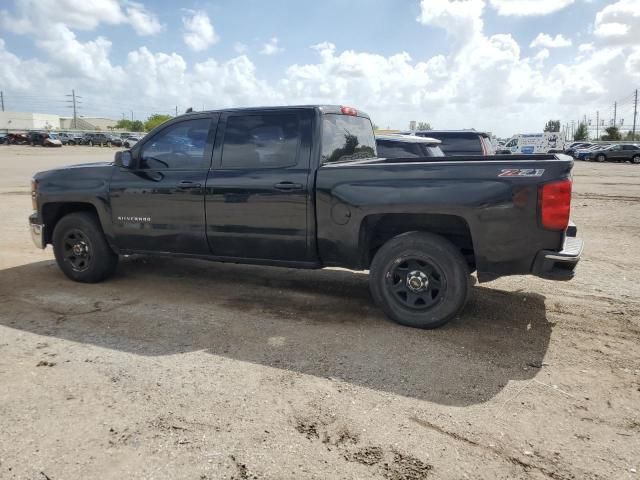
{"x": 597, "y": 124}
{"x": 176, "y": 110}
{"x": 74, "y": 104}
{"x": 132, "y": 115}
{"x": 635, "y": 113}
{"x": 2, "y": 99}
{"x": 615, "y": 114}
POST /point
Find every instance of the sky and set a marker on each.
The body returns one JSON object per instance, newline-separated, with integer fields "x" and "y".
{"x": 505, "y": 66}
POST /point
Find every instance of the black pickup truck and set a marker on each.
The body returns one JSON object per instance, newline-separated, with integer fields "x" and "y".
{"x": 302, "y": 187}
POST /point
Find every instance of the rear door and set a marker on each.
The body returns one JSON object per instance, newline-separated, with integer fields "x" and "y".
{"x": 258, "y": 193}
{"x": 629, "y": 151}
{"x": 158, "y": 205}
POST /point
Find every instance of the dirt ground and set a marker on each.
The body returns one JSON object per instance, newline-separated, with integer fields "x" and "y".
{"x": 184, "y": 369}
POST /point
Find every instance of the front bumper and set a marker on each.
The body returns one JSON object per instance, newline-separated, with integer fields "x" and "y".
{"x": 560, "y": 265}
{"x": 37, "y": 232}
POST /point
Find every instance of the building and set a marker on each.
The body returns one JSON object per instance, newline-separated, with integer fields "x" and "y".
{"x": 28, "y": 121}
{"x": 88, "y": 123}
{"x": 43, "y": 121}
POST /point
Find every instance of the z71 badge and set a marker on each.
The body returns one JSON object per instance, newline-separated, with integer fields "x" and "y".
{"x": 521, "y": 172}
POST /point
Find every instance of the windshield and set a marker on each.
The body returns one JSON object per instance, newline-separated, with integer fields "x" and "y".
{"x": 345, "y": 137}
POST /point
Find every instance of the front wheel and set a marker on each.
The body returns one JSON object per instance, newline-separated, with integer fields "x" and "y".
{"x": 636, "y": 159}
{"x": 601, "y": 158}
{"x": 81, "y": 249}
{"x": 419, "y": 280}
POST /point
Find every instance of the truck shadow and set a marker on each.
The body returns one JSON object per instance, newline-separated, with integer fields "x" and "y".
{"x": 320, "y": 323}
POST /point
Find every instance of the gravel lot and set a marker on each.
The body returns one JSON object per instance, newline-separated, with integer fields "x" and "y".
{"x": 187, "y": 369}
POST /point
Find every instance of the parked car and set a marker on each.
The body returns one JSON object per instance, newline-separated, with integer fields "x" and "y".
{"x": 115, "y": 140}
{"x": 66, "y": 138}
{"x": 616, "y": 153}
{"x": 131, "y": 140}
{"x": 407, "y": 146}
{"x": 17, "y": 139}
{"x": 460, "y": 142}
{"x": 303, "y": 187}
{"x": 528, "y": 143}
{"x": 574, "y": 146}
{"x": 92, "y": 139}
{"x": 44, "y": 139}
{"x": 581, "y": 153}
{"x": 4, "y": 138}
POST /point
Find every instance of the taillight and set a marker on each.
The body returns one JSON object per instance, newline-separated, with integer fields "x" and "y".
{"x": 555, "y": 204}
{"x": 349, "y": 111}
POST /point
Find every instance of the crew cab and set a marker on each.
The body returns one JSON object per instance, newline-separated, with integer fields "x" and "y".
{"x": 303, "y": 187}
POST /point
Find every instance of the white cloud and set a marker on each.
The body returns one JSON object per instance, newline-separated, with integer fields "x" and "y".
{"x": 486, "y": 81}
{"x": 78, "y": 15}
{"x": 541, "y": 56}
{"x": 523, "y": 8}
{"x": 462, "y": 19}
{"x": 547, "y": 41}
{"x": 619, "y": 23}
{"x": 240, "y": 48}
{"x": 586, "y": 47}
{"x": 142, "y": 21}
{"x": 271, "y": 47}
{"x": 199, "y": 33}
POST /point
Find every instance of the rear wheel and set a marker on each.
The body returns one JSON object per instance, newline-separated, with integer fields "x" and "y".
{"x": 81, "y": 250}
{"x": 636, "y": 159}
{"x": 601, "y": 158}
{"x": 419, "y": 280}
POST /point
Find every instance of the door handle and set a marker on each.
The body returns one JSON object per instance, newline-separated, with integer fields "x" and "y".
{"x": 188, "y": 184}
{"x": 288, "y": 186}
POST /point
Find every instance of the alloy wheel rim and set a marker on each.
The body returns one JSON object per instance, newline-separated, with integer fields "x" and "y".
{"x": 77, "y": 250}
{"x": 416, "y": 283}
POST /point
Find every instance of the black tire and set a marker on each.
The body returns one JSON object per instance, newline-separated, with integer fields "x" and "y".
{"x": 636, "y": 159}
{"x": 77, "y": 237}
{"x": 601, "y": 158}
{"x": 433, "y": 257}
{"x": 90, "y": 143}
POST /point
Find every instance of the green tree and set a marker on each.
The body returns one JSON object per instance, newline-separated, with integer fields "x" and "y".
{"x": 154, "y": 120}
{"x": 552, "y": 126}
{"x": 424, "y": 126}
{"x": 124, "y": 124}
{"x": 581, "y": 133}
{"x": 137, "y": 126}
{"x": 612, "y": 134}
{"x": 630, "y": 136}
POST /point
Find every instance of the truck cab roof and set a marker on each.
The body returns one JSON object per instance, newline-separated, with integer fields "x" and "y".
{"x": 334, "y": 109}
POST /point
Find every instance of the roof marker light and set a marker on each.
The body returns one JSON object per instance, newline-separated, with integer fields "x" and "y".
{"x": 349, "y": 111}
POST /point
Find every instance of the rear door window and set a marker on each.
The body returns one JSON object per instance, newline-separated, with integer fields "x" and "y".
{"x": 261, "y": 141}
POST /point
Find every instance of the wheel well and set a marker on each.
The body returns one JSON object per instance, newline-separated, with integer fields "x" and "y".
{"x": 376, "y": 230}
{"x": 53, "y": 212}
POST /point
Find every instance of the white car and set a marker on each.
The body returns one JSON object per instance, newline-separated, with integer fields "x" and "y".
{"x": 130, "y": 141}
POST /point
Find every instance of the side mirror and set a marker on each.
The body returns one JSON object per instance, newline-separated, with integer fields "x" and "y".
{"x": 123, "y": 159}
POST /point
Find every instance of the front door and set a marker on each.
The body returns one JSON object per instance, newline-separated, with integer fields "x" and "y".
{"x": 258, "y": 202}
{"x": 158, "y": 204}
